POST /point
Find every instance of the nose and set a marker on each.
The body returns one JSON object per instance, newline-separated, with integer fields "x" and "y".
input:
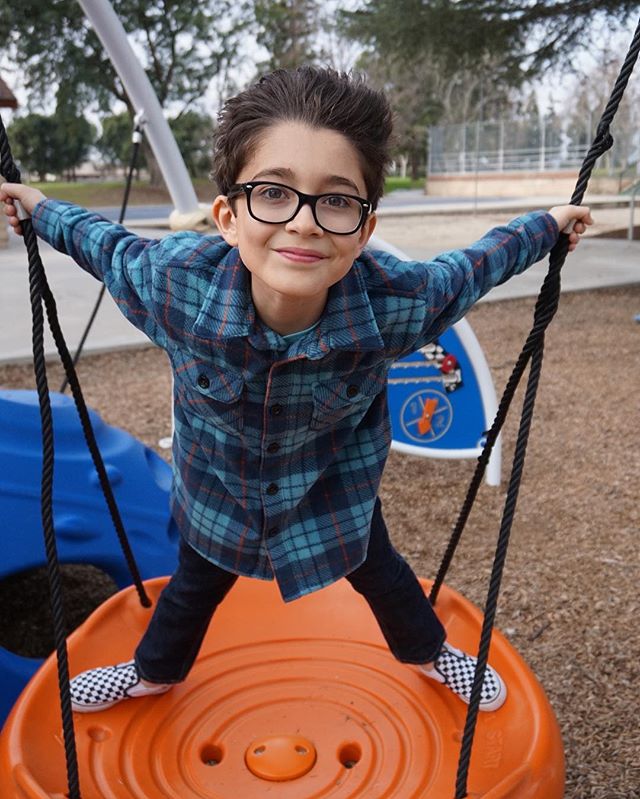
{"x": 304, "y": 222}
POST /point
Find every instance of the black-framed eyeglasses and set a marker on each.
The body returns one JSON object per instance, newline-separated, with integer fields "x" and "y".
{"x": 275, "y": 204}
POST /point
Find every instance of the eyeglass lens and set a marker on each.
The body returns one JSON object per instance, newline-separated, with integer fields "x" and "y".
{"x": 336, "y": 213}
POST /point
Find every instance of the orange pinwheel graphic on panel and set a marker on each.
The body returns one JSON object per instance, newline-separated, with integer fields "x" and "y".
{"x": 428, "y": 409}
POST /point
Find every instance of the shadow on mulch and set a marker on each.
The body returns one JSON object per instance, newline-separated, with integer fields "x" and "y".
{"x": 24, "y": 598}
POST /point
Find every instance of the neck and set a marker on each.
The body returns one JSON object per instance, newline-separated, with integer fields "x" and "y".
{"x": 286, "y": 314}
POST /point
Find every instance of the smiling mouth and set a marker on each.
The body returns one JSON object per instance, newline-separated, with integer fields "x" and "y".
{"x": 300, "y": 256}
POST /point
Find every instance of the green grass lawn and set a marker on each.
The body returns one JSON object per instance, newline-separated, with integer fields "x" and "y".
{"x": 392, "y": 183}
{"x": 110, "y": 192}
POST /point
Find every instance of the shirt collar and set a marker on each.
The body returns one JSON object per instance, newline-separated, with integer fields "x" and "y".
{"x": 348, "y": 321}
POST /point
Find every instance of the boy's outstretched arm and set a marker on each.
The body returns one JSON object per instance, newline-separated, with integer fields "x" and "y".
{"x": 441, "y": 291}
{"x": 123, "y": 261}
{"x": 25, "y": 195}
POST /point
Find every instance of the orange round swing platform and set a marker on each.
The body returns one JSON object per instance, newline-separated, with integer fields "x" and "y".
{"x": 291, "y": 701}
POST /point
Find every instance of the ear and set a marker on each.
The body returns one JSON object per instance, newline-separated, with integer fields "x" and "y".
{"x": 225, "y": 219}
{"x": 366, "y": 231}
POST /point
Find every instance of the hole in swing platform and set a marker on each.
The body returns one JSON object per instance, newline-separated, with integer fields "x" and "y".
{"x": 211, "y": 755}
{"x": 349, "y": 755}
{"x": 25, "y": 621}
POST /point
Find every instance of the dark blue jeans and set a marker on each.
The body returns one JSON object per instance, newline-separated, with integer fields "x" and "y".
{"x": 171, "y": 643}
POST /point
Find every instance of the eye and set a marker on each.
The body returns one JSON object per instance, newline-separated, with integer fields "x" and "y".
{"x": 273, "y": 193}
{"x": 337, "y": 201}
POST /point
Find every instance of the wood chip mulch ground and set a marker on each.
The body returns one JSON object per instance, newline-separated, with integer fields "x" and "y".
{"x": 570, "y": 600}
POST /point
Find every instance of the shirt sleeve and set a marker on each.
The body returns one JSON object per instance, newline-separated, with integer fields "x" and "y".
{"x": 446, "y": 287}
{"x": 132, "y": 268}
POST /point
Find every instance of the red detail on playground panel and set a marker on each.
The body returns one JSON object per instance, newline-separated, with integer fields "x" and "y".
{"x": 425, "y": 421}
{"x": 319, "y": 669}
{"x": 449, "y": 363}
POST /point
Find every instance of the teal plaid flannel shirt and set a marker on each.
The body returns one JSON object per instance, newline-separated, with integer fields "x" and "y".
{"x": 279, "y": 448}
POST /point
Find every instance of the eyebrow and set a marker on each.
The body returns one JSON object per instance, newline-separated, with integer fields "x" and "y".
{"x": 287, "y": 174}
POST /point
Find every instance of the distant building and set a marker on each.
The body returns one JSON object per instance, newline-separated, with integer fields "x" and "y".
{"x": 7, "y": 97}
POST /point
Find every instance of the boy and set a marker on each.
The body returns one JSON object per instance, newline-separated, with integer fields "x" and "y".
{"x": 280, "y": 334}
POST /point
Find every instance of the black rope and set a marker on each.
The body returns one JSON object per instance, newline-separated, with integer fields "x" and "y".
{"x": 133, "y": 159}
{"x": 12, "y": 174}
{"x": 533, "y": 351}
{"x": 40, "y": 293}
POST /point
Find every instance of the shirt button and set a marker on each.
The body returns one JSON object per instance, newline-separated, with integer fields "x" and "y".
{"x": 352, "y": 391}
{"x": 203, "y": 381}
{"x": 276, "y": 409}
{"x": 273, "y": 448}
{"x": 272, "y": 531}
{"x": 272, "y": 489}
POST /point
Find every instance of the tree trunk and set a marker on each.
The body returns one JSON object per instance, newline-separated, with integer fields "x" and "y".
{"x": 156, "y": 180}
{"x": 414, "y": 163}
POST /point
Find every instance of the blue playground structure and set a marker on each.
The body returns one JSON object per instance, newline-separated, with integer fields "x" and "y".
{"x": 441, "y": 397}
{"x": 85, "y": 533}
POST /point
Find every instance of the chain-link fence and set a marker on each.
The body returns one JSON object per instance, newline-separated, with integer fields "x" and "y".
{"x": 528, "y": 145}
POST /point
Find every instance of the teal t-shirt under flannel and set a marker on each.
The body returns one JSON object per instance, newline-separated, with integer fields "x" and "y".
{"x": 279, "y": 447}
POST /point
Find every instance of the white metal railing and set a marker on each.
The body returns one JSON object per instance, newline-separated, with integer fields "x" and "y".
{"x": 534, "y": 159}
{"x": 521, "y": 145}
{"x": 632, "y": 210}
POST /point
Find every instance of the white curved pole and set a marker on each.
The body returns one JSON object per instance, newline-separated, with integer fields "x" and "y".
{"x": 114, "y": 38}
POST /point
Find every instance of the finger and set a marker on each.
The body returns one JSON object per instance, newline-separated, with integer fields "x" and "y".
{"x": 585, "y": 216}
{"x": 14, "y": 222}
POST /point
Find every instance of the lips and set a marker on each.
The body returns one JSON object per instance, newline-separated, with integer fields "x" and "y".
{"x": 300, "y": 255}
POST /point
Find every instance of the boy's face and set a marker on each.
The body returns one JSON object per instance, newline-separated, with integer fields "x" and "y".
{"x": 296, "y": 261}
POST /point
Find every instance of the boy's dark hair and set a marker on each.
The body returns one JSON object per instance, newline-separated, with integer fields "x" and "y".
{"x": 318, "y": 97}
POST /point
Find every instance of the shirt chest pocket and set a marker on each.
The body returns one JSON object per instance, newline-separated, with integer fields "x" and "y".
{"x": 337, "y": 400}
{"x": 207, "y": 393}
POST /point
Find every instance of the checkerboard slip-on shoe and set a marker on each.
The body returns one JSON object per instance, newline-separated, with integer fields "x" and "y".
{"x": 98, "y": 689}
{"x": 455, "y": 669}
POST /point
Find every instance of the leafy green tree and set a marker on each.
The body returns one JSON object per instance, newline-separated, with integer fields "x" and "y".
{"x": 74, "y": 133}
{"x": 34, "y": 147}
{"x": 453, "y": 61}
{"x": 288, "y": 30}
{"x": 192, "y": 131}
{"x": 53, "y": 144}
{"x": 526, "y": 36}
{"x": 114, "y": 143}
{"x": 75, "y": 138}
{"x": 193, "y": 134}
{"x": 183, "y": 46}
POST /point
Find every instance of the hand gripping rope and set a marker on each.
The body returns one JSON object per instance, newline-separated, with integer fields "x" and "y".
{"x": 39, "y": 293}
{"x": 545, "y": 309}
{"x": 533, "y": 349}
